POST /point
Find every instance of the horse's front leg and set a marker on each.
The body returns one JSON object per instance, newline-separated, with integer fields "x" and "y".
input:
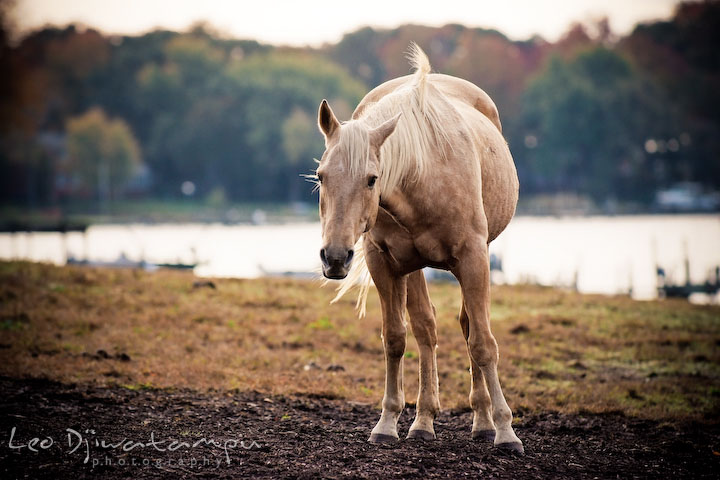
{"x": 422, "y": 320}
{"x": 392, "y": 290}
{"x": 473, "y": 273}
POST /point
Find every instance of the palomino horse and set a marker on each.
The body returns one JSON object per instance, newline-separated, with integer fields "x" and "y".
{"x": 422, "y": 173}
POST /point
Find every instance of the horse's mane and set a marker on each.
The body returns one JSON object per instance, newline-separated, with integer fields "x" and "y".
{"x": 420, "y": 136}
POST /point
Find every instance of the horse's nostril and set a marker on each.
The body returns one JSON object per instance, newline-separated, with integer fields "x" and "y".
{"x": 336, "y": 257}
{"x": 323, "y": 257}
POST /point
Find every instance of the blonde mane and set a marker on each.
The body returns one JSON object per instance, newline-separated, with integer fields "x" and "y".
{"x": 420, "y": 137}
{"x": 421, "y": 134}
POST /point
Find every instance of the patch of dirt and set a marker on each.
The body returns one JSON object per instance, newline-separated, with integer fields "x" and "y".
{"x": 169, "y": 434}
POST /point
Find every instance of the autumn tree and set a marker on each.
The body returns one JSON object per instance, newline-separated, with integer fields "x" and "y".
{"x": 102, "y": 153}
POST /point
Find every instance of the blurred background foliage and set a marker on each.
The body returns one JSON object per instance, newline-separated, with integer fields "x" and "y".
{"x": 87, "y": 116}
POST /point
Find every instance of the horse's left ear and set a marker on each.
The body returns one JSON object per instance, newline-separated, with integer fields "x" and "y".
{"x": 327, "y": 121}
{"x": 379, "y": 134}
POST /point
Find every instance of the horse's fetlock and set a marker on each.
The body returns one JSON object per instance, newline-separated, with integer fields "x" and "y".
{"x": 429, "y": 407}
{"x": 479, "y": 399}
{"x": 502, "y": 416}
{"x": 393, "y": 407}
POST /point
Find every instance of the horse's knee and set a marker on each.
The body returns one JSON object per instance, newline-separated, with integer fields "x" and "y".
{"x": 483, "y": 350}
{"x": 394, "y": 344}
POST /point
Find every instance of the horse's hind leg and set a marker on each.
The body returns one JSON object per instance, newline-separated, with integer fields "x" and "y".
{"x": 473, "y": 273}
{"x": 422, "y": 321}
{"x": 393, "y": 294}
{"x": 483, "y": 426}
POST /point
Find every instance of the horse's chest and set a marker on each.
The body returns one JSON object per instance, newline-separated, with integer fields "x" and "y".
{"x": 406, "y": 253}
{"x": 398, "y": 252}
{"x": 432, "y": 250}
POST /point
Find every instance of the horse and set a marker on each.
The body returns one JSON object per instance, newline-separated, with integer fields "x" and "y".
{"x": 420, "y": 176}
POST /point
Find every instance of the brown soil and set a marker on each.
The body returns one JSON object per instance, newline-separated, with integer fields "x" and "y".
{"x": 311, "y": 437}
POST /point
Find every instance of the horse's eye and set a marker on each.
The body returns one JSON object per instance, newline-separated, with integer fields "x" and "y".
{"x": 371, "y": 181}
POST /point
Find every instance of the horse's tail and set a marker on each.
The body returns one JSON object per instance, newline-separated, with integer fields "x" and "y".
{"x": 358, "y": 275}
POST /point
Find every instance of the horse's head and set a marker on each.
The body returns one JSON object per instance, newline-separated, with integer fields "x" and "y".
{"x": 349, "y": 186}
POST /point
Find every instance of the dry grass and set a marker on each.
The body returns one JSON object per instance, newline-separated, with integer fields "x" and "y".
{"x": 559, "y": 350}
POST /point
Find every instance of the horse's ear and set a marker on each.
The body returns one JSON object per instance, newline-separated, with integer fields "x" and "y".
{"x": 379, "y": 134}
{"x": 327, "y": 122}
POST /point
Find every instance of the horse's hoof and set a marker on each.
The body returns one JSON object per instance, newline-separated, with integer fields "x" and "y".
{"x": 488, "y": 435}
{"x": 418, "y": 434}
{"x": 511, "y": 447}
{"x": 382, "y": 438}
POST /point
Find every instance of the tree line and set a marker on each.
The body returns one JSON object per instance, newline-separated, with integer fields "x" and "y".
{"x": 166, "y": 114}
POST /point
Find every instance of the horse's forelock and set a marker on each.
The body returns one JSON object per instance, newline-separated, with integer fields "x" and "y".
{"x": 355, "y": 146}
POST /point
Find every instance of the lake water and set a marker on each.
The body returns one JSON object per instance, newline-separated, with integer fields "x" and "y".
{"x": 597, "y": 254}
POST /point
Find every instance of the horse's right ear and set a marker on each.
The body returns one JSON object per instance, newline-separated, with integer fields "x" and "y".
{"x": 327, "y": 122}
{"x": 379, "y": 134}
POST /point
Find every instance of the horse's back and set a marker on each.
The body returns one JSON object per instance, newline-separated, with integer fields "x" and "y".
{"x": 452, "y": 87}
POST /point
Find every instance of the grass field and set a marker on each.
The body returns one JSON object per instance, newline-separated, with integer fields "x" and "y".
{"x": 560, "y": 351}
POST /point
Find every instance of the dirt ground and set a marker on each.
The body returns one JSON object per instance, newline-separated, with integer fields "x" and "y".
{"x": 116, "y": 373}
{"x": 560, "y": 351}
{"x": 87, "y": 431}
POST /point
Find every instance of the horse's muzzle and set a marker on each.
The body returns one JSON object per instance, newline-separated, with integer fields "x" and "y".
{"x": 336, "y": 262}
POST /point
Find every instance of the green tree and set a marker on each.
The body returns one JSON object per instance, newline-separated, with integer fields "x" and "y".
{"x": 587, "y": 121}
{"x": 271, "y": 87}
{"x": 300, "y": 142}
{"x": 358, "y": 52}
{"x": 231, "y": 121}
{"x": 102, "y": 153}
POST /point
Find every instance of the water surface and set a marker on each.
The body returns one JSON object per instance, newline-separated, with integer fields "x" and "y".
{"x": 596, "y": 254}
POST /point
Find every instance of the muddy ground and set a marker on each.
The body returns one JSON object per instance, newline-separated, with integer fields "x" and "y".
{"x": 122, "y": 433}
